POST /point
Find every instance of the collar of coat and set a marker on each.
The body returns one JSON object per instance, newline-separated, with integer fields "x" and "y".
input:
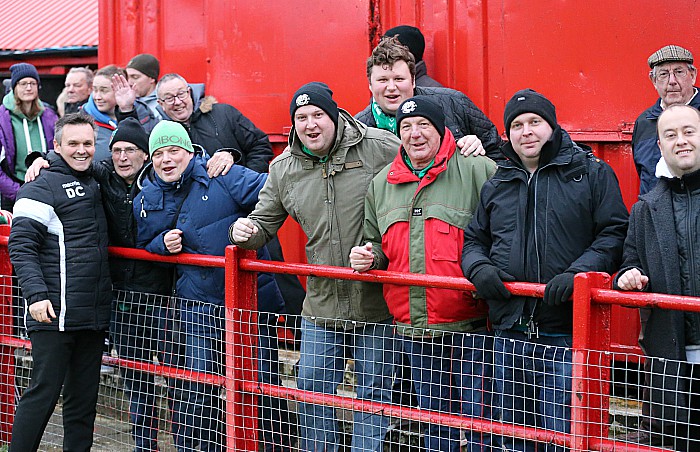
{"x": 559, "y": 150}
{"x": 400, "y": 173}
{"x": 349, "y": 132}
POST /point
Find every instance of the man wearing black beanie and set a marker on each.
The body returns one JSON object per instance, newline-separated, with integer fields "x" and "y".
{"x": 561, "y": 208}
{"x": 321, "y": 181}
{"x": 429, "y": 193}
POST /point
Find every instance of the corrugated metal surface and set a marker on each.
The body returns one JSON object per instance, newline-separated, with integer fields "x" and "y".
{"x": 41, "y": 24}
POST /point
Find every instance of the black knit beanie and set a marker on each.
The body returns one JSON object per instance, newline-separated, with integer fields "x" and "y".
{"x": 23, "y": 70}
{"x": 145, "y": 63}
{"x": 424, "y": 107}
{"x": 130, "y": 130}
{"x": 318, "y": 94}
{"x": 529, "y": 101}
{"x": 411, "y": 37}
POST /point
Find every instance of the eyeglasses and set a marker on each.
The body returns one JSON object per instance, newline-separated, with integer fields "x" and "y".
{"x": 664, "y": 75}
{"x": 128, "y": 151}
{"x": 182, "y": 95}
{"x": 29, "y": 84}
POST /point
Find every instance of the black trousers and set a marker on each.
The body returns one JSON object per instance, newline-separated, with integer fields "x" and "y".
{"x": 70, "y": 360}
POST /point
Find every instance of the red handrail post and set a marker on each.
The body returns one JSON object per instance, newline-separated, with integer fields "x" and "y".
{"x": 7, "y": 352}
{"x": 241, "y": 339}
{"x": 591, "y": 362}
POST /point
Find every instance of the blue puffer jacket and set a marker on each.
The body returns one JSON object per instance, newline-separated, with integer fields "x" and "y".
{"x": 209, "y": 207}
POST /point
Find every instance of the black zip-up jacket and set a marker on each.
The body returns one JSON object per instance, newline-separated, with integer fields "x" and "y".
{"x": 127, "y": 274}
{"x": 462, "y": 117}
{"x": 58, "y": 246}
{"x": 568, "y": 216}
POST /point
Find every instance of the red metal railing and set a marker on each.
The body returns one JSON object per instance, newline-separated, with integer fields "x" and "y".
{"x": 592, "y": 300}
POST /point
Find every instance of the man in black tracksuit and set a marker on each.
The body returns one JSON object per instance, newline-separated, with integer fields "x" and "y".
{"x": 58, "y": 246}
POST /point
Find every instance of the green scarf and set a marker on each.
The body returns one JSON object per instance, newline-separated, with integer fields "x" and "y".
{"x": 383, "y": 120}
{"x": 306, "y": 151}
{"x": 420, "y": 173}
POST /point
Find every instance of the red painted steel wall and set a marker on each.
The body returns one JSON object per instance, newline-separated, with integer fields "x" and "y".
{"x": 588, "y": 57}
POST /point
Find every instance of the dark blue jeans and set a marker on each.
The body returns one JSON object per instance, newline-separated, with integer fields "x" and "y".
{"x": 321, "y": 367}
{"x": 532, "y": 386}
{"x": 275, "y": 422}
{"x": 139, "y": 332}
{"x": 449, "y": 375}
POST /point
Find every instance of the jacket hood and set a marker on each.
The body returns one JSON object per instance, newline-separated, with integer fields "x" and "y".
{"x": 9, "y": 102}
{"x": 348, "y": 133}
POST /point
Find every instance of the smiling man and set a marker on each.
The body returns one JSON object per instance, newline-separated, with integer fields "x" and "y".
{"x": 78, "y": 86}
{"x": 321, "y": 181}
{"x": 391, "y": 73}
{"x": 58, "y": 246}
{"x": 415, "y": 213}
{"x": 673, "y": 76}
{"x": 660, "y": 255}
{"x": 561, "y": 208}
{"x": 181, "y": 209}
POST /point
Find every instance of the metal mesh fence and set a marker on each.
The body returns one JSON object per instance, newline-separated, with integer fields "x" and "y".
{"x": 173, "y": 378}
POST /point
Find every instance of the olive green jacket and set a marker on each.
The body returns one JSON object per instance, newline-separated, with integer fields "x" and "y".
{"x": 327, "y": 200}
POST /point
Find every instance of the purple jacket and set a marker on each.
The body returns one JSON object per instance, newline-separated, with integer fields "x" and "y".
{"x": 8, "y": 181}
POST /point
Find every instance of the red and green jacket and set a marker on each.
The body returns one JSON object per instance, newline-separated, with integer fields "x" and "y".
{"x": 417, "y": 225}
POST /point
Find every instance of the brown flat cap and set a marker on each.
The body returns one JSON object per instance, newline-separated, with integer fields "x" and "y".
{"x": 670, "y": 53}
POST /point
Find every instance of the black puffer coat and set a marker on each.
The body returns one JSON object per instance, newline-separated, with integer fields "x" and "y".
{"x": 568, "y": 216}
{"x": 462, "y": 117}
{"x": 58, "y": 246}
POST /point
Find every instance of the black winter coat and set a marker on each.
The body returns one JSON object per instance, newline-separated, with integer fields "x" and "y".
{"x": 58, "y": 246}
{"x": 462, "y": 117}
{"x": 127, "y": 274}
{"x": 652, "y": 247}
{"x": 568, "y": 216}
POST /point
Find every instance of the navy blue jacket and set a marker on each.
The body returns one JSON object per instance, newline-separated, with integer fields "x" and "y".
{"x": 645, "y": 150}
{"x": 208, "y": 208}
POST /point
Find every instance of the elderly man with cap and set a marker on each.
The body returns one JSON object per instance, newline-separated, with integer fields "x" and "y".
{"x": 391, "y": 72}
{"x": 182, "y": 210}
{"x": 412, "y": 38}
{"x": 415, "y": 213}
{"x": 673, "y": 76}
{"x": 321, "y": 180}
{"x": 561, "y": 208}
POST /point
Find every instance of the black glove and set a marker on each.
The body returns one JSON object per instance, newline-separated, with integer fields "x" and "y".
{"x": 559, "y": 289}
{"x": 488, "y": 280}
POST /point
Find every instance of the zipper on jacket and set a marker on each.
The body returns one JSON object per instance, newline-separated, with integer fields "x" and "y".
{"x": 688, "y": 234}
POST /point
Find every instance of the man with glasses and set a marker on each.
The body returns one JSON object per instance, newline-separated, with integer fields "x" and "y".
{"x": 673, "y": 75}
{"x": 223, "y": 131}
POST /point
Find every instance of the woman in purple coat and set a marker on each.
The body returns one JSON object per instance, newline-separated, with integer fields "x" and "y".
{"x": 26, "y": 126}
